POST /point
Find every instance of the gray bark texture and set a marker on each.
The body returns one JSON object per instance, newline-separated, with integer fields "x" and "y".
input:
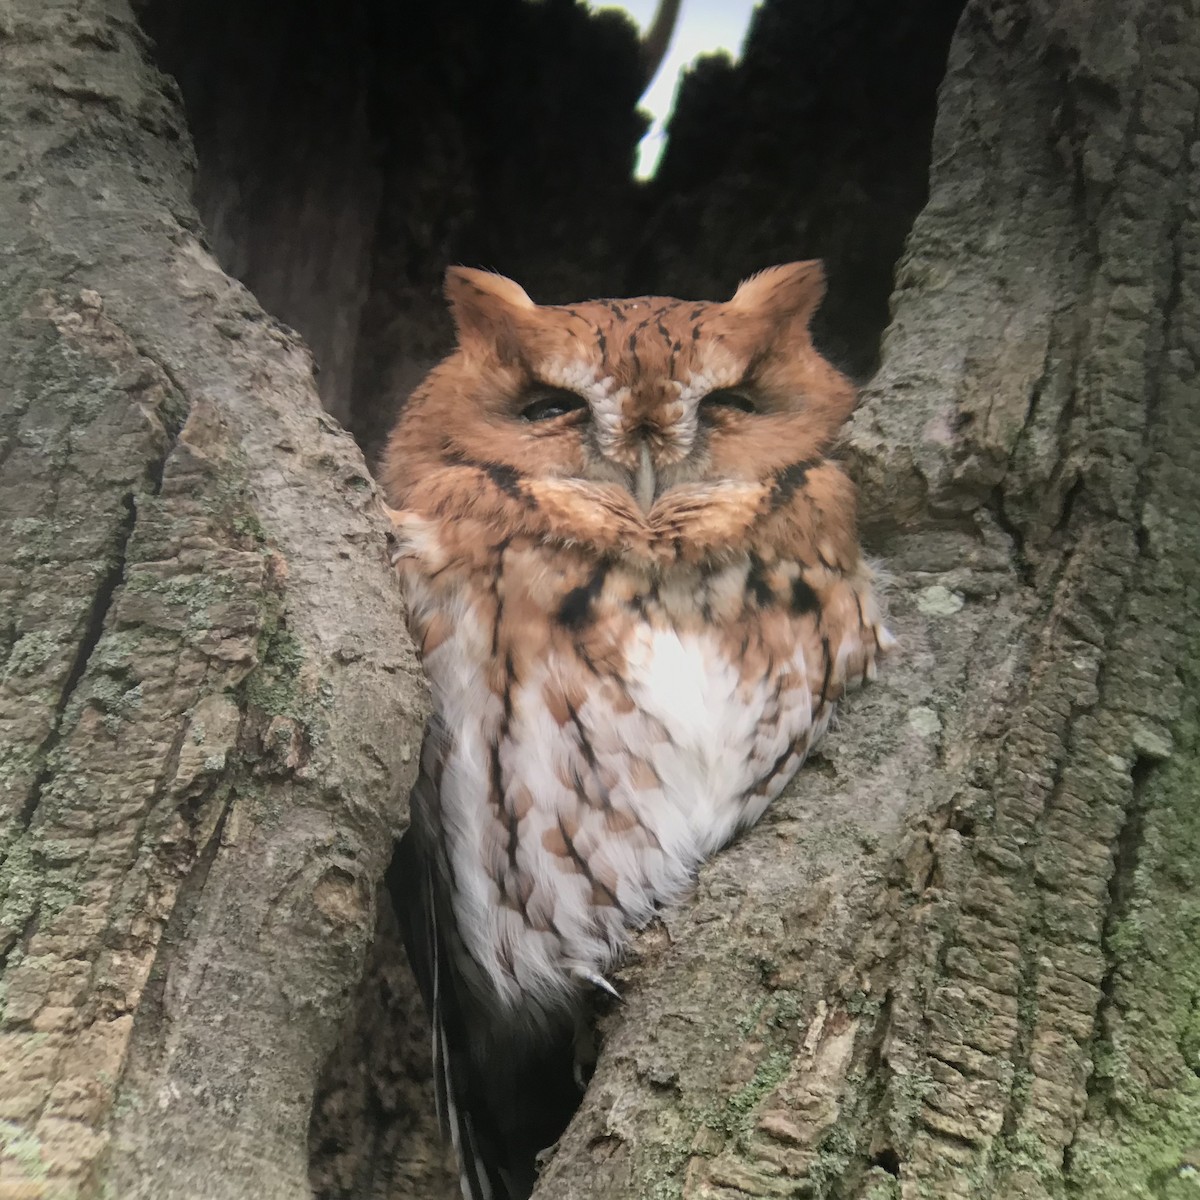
{"x": 957, "y": 959}
{"x": 208, "y": 701}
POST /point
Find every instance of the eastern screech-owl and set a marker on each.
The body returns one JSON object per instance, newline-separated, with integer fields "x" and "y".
{"x": 633, "y": 577}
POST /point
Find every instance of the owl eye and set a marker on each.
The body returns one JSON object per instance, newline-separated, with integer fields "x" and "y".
{"x": 730, "y": 398}
{"x": 552, "y": 402}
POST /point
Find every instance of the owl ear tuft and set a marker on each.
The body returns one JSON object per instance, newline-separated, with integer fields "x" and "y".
{"x": 485, "y": 306}
{"x": 784, "y": 293}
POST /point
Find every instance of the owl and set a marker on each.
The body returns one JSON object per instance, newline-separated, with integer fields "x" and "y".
{"x": 633, "y": 577}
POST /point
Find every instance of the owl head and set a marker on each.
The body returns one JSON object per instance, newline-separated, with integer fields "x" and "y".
{"x": 589, "y": 422}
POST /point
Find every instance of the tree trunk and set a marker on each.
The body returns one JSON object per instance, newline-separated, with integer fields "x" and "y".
{"x": 957, "y": 958}
{"x": 208, "y": 703}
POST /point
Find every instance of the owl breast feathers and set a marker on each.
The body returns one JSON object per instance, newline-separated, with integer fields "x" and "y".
{"x": 633, "y": 577}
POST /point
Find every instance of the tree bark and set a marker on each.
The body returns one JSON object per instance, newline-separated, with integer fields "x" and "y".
{"x": 207, "y": 700}
{"x": 958, "y": 958}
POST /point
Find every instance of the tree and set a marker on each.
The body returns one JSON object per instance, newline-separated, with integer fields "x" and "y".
{"x": 956, "y": 959}
{"x": 199, "y": 746}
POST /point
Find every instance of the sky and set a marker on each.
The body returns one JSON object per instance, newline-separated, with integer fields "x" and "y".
{"x": 704, "y": 26}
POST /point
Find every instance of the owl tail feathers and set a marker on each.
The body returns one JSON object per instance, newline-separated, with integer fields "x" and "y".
{"x": 410, "y": 881}
{"x": 478, "y": 1177}
{"x": 505, "y": 1089}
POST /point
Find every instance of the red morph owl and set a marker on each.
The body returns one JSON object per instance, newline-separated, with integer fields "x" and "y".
{"x": 634, "y": 580}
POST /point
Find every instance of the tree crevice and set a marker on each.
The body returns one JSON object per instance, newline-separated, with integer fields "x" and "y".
{"x": 93, "y": 628}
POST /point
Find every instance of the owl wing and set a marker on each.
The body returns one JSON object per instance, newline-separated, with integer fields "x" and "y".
{"x": 502, "y": 1095}
{"x": 417, "y": 882}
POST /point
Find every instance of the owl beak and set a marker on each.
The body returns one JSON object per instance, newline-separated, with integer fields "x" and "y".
{"x": 645, "y": 485}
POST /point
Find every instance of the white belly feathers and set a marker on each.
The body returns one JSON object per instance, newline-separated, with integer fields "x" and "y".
{"x": 564, "y": 832}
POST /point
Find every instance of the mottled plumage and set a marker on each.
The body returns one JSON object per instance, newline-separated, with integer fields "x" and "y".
{"x": 634, "y": 580}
